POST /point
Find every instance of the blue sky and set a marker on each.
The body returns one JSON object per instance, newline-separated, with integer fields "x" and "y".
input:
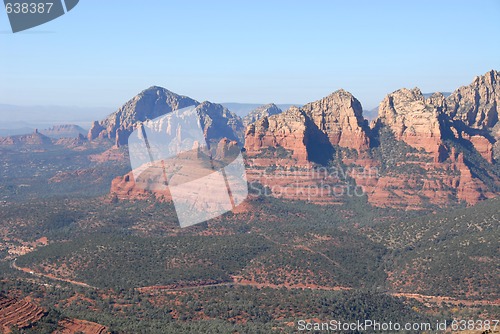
{"x": 104, "y": 52}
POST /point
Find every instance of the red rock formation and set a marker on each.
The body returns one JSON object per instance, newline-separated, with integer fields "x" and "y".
{"x": 340, "y": 117}
{"x": 476, "y": 106}
{"x": 469, "y": 189}
{"x": 227, "y": 149}
{"x": 337, "y": 117}
{"x": 71, "y": 326}
{"x": 287, "y": 140}
{"x": 287, "y": 131}
{"x": 306, "y": 184}
{"x": 96, "y": 131}
{"x": 412, "y": 119}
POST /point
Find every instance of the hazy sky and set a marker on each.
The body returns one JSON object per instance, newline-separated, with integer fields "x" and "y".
{"x": 104, "y": 52}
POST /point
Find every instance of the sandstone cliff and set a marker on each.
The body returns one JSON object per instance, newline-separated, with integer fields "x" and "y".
{"x": 474, "y": 108}
{"x": 412, "y": 119}
{"x": 309, "y": 133}
{"x": 218, "y": 122}
{"x": 467, "y": 120}
{"x": 286, "y": 131}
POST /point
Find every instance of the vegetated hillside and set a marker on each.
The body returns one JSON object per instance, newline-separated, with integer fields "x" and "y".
{"x": 451, "y": 253}
{"x": 273, "y": 242}
{"x": 127, "y": 264}
{"x": 260, "y": 260}
{"x": 133, "y": 262}
{"x": 265, "y": 245}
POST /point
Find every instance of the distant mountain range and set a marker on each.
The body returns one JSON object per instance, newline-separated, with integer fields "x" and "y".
{"x": 20, "y": 120}
{"x": 418, "y": 243}
{"x": 243, "y": 109}
{"x": 45, "y": 116}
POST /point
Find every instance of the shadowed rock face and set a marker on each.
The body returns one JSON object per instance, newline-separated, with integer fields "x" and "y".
{"x": 217, "y": 121}
{"x": 434, "y": 172}
{"x": 311, "y": 131}
{"x": 470, "y": 113}
{"x": 475, "y": 107}
{"x": 340, "y": 117}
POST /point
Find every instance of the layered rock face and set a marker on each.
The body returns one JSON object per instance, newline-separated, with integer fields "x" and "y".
{"x": 261, "y": 112}
{"x": 218, "y": 122}
{"x": 474, "y": 108}
{"x": 335, "y": 120}
{"x": 295, "y": 141}
{"x": 155, "y": 102}
{"x": 287, "y": 131}
{"x": 149, "y": 104}
{"x": 428, "y": 170}
{"x": 340, "y": 117}
{"x": 413, "y": 119}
